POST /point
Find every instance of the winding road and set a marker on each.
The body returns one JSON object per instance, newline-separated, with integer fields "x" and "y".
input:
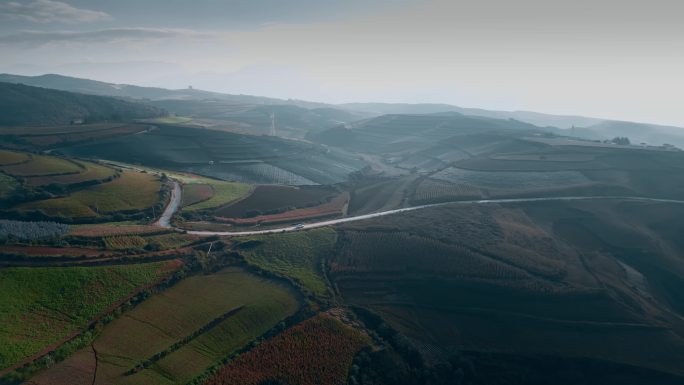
{"x": 174, "y": 203}
{"x": 171, "y": 208}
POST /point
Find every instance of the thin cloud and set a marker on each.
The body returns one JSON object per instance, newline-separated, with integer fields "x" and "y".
{"x": 48, "y": 11}
{"x": 110, "y": 35}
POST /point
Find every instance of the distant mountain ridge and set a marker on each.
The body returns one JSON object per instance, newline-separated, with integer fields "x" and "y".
{"x": 22, "y": 105}
{"x": 174, "y": 101}
{"x": 95, "y": 87}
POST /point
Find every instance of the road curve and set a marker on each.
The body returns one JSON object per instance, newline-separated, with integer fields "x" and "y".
{"x": 330, "y": 222}
{"x": 171, "y": 208}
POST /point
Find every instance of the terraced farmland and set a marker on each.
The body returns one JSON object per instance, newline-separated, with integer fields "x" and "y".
{"x": 91, "y": 172}
{"x": 270, "y": 199}
{"x": 434, "y": 190}
{"x": 335, "y": 207}
{"x": 195, "y": 193}
{"x": 194, "y": 324}
{"x": 319, "y": 351}
{"x": 511, "y": 182}
{"x": 227, "y": 156}
{"x": 131, "y": 191}
{"x": 222, "y": 193}
{"x": 127, "y": 242}
{"x": 13, "y": 157}
{"x": 45, "y": 305}
{"x": 7, "y": 185}
{"x": 40, "y": 165}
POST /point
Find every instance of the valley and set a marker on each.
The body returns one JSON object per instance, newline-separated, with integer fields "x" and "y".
{"x": 402, "y": 248}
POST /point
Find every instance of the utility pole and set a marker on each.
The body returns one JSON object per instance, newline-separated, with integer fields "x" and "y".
{"x": 273, "y": 124}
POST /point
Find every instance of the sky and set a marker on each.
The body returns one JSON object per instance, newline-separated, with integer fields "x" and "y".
{"x": 617, "y": 59}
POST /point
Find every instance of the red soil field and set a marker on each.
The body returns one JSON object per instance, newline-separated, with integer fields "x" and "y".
{"x": 108, "y": 230}
{"x": 266, "y": 198}
{"x": 318, "y": 351}
{"x": 41, "y": 251}
{"x": 195, "y": 193}
{"x": 333, "y": 208}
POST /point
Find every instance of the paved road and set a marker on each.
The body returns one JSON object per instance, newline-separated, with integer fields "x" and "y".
{"x": 330, "y": 222}
{"x": 174, "y": 204}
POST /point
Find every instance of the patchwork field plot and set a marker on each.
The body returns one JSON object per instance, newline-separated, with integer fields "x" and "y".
{"x": 333, "y": 208}
{"x": 126, "y": 242}
{"x": 318, "y": 351}
{"x": 131, "y": 191}
{"x": 547, "y": 157}
{"x": 40, "y": 165}
{"x": 294, "y": 255}
{"x": 41, "y": 306}
{"x": 91, "y": 172}
{"x": 227, "y": 156}
{"x": 104, "y": 230}
{"x": 512, "y": 181}
{"x": 56, "y": 136}
{"x": 13, "y": 157}
{"x": 398, "y": 252}
{"x": 194, "y": 324}
{"x": 256, "y": 172}
{"x": 195, "y": 193}
{"x": 432, "y": 190}
{"x": 380, "y": 195}
{"x": 270, "y": 199}
{"x": 7, "y": 185}
{"x": 212, "y": 193}
{"x": 46, "y": 251}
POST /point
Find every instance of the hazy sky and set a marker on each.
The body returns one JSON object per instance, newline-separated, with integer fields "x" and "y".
{"x": 619, "y": 59}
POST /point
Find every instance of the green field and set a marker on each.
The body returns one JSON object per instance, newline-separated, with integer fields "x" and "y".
{"x": 43, "y": 165}
{"x": 178, "y": 321}
{"x": 7, "y": 184}
{"x": 224, "y": 193}
{"x": 294, "y": 255}
{"x": 170, "y": 240}
{"x": 12, "y": 157}
{"x": 40, "y": 306}
{"x": 131, "y": 191}
{"x": 92, "y": 172}
{"x": 125, "y": 242}
{"x": 512, "y": 180}
{"x": 170, "y": 120}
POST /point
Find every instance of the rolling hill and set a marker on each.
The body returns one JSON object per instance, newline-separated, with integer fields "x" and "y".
{"x": 24, "y": 105}
{"x": 243, "y": 112}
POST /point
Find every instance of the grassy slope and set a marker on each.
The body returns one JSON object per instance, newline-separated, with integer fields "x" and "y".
{"x": 7, "y": 184}
{"x": 12, "y": 157}
{"x": 224, "y": 193}
{"x": 43, "y": 165}
{"x": 132, "y": 191}
{"x": 93, "y": 172}
{"x": 295, "y": 255}
{"x": 39, "y": 306}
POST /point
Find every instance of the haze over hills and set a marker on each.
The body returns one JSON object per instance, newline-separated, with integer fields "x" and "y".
{"x": 87, "y": 86}
{"x": 213, "y": 105}
{"x": 26, "y": 105}
{"x": 358, "y": 192}
{"x": 295, "y": 222}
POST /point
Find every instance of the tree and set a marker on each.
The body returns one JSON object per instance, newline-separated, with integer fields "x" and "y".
{"x": 621, "y": 140}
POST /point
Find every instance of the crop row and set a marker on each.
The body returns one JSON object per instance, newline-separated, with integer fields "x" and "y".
{"x": 332, "y": 208}
{"x": 432, "y": 189}
{"x": 318, "y": 351}
{"x": 400, "y": 252}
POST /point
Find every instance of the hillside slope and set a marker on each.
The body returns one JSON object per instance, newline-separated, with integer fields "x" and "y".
{"x": 23, "y": 105}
